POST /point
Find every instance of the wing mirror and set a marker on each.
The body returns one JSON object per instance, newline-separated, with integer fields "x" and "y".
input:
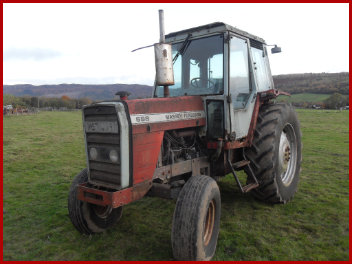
{"x": 275, "y": 49}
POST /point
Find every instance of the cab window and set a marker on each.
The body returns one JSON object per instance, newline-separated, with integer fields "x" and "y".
{"x": 198, "y": 69}
{"x": 239, "y": 72}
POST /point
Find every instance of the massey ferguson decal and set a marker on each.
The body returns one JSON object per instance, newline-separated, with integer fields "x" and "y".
{"x": 166, "y": 117}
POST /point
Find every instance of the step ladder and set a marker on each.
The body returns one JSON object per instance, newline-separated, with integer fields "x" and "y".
{"x": 239, "y": 165}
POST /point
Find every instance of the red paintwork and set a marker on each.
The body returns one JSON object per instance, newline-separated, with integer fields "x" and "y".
{"x": 147, "y": 138}
{"x": 146, "y": 148}
{"x": 114, "y": 199}
{"x": 228, "y": 144}
{"x": 163, "y": 105}
{"x": 273, "y": 93}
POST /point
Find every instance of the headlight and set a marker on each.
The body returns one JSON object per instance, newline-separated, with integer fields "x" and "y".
{"x": 93, "y": 153}
{"x": 113, "y": 156}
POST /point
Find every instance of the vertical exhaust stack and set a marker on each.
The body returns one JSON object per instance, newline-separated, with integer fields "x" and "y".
{"x": 161, "y": 26}
{"x": 163, "y": 59}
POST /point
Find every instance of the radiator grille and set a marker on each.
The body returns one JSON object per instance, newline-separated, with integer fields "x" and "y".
{"x": 102, "y": 134}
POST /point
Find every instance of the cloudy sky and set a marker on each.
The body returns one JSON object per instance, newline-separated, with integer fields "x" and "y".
{"x": 92, "y": 43}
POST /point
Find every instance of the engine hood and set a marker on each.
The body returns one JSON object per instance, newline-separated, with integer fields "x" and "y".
{"x": 156, "y": 114}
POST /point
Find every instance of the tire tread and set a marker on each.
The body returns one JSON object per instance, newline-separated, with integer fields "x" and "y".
{"x": 261, "y": 154}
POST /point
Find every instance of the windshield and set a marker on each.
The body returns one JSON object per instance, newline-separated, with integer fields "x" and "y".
{"x": 199, "y": 70}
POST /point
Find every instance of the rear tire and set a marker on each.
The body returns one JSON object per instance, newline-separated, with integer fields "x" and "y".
{"x": 196, "y": 220}
{"x": 89, "y": 218}
{"x": 275, "y": 155}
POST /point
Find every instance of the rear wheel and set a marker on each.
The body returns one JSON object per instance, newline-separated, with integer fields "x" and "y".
{"x": 275, "y": 155}
{"x": 196, "y": 220}
{"x": 90, "y": 218}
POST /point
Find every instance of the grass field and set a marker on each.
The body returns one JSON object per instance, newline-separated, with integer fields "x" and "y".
{"x": 42, "y": 154}
{"x": 304, "y": 97}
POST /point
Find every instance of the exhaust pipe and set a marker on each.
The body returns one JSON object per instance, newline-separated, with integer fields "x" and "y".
{"x": 161, "y": 26}
{"x": 163, "y": 59}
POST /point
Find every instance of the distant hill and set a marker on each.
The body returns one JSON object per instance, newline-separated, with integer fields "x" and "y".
{"x": 318, "y": 83}
{"x": 322, "y": 83}
{"x": 94, "y": 92}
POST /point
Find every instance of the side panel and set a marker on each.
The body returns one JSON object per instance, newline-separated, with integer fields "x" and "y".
{"x": 146, "y": 148}
{"x": 241, "y": 119}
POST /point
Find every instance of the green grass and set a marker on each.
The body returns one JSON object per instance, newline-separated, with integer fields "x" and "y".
{"x": 42, "y": 154}
{"x": 304, "y": 97}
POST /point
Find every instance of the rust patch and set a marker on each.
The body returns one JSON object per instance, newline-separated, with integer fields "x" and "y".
{"x": 114, "y": 199}
{"x": 273, "y": 93}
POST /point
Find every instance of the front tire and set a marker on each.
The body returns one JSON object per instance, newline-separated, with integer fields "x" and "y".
{"x": 196, "y": 220}
{"x": 275, "y": 155}
{"x": 89, "y": 218}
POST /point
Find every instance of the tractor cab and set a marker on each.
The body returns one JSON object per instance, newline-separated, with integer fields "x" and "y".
{"x": 225, "y": 65}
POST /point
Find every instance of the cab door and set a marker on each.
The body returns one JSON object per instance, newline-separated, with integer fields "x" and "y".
{"x": 242, "y": 86}
{"x": 261, "y": 67}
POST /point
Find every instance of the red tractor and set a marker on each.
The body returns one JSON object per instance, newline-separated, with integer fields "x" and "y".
{"x": 212, "y": 113}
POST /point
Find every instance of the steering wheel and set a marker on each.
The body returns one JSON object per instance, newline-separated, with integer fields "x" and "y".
{"x": 196, "y": 81}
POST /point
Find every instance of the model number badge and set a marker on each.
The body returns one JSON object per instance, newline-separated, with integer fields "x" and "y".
{"x": 166, "y": 117}
{"x": 143, "y": 119}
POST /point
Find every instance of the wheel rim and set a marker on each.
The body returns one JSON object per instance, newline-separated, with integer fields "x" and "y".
{"x": 287, "y": 154}
{"x": 209, "y": 223}
{"x": 102, "y": 211}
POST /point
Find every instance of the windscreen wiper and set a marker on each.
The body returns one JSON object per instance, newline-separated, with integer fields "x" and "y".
{"x": 183, "y": 49}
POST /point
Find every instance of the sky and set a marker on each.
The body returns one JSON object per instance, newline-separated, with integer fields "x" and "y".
{"x": 92, "y": 43}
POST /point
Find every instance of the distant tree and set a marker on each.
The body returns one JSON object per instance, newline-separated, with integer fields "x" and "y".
{"x": 34, "y": 101}
{"x": 65, "y": 97}
{"x": 335, "y": 101}
{"x": 26, "y": 100}
{"x": 84, "y": 101}
{"x": 9, "y": 99}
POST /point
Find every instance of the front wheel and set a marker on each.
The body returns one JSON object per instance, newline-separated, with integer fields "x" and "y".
{"x": 275, "y": 155}
{"x": 196, "y": 220}
{"x": 89, "y": 218}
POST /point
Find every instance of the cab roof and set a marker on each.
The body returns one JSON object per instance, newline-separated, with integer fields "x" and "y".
{"x": 215, "y": 27}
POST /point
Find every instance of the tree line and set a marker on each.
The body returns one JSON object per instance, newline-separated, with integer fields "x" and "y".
{"x": 319, "y": 83}
{"x": 334, "y": 101}
{"x": 44, "y": 102}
